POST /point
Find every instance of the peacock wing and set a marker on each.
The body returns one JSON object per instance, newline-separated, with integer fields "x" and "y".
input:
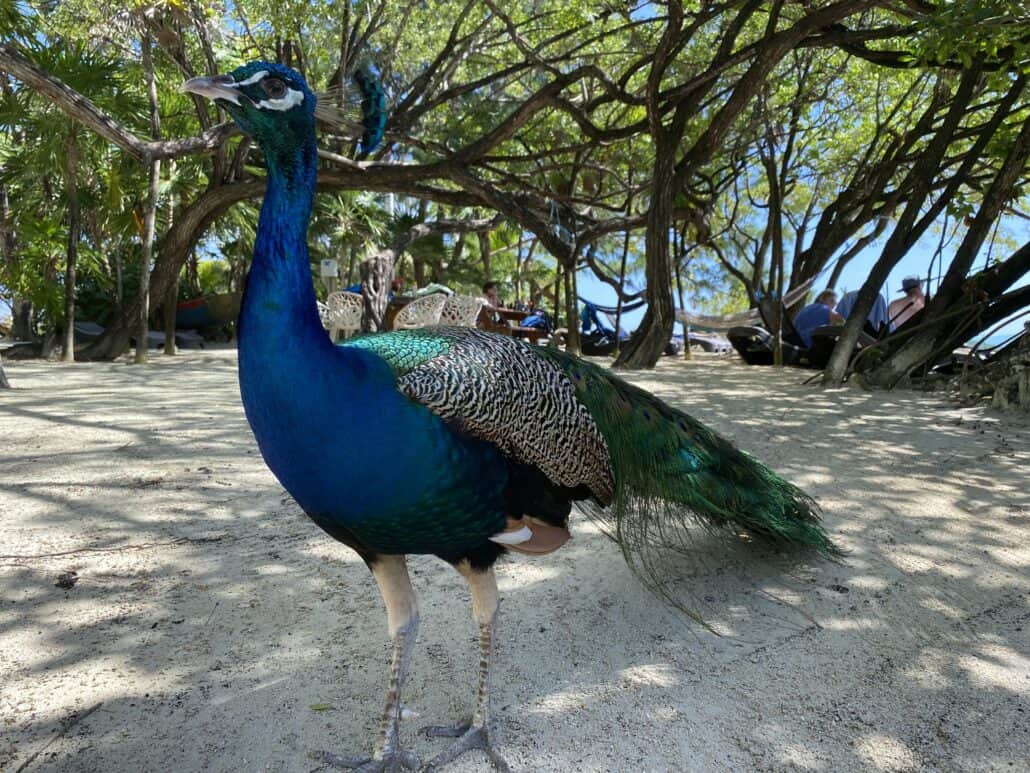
{"x": 501, "y": 390}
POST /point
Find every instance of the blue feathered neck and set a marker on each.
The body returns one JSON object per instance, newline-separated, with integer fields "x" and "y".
{"x": 279, "y": 297}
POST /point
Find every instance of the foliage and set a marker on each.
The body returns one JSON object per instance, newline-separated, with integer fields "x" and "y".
{"x": 555, "y": 114}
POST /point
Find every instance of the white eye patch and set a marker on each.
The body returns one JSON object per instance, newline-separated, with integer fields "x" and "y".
{"x": 253, "y": 78}
{"x": 289, "y": 100}
{"x": 292, "y": 98}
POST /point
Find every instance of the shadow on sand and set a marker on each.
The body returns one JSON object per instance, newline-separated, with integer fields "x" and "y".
{"x": 212, "y": 627}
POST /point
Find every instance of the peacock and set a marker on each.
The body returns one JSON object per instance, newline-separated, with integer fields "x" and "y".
{"x": 452, "y": 441}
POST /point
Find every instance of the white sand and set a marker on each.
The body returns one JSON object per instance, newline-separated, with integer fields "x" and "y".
{"x": 213, "y": 628}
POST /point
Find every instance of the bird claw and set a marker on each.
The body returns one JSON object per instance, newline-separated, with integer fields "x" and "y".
{"x": 390, "y": 762}
{"x": 470, "y": 738}
{"x": 448, "y": 731}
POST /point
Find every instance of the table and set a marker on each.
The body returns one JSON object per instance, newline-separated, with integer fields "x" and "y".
{"x": 514, "y": 328}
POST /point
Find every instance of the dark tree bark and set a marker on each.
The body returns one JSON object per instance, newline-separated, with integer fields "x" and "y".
{"x": 906, "y": 232}
{"x": 646, "y": 346}
{"x": 21, "y": 320}
{"x": 643, "y": 349}
{"x": 484, "y": 254}
{"x": 171, "y": 296}
{"x": 918, "y": 349}
{"x": 71, "y": 183}
{"x": 150, "y": 213}
{"x": 376, "y": 274}
{"x": 573, "y": 342}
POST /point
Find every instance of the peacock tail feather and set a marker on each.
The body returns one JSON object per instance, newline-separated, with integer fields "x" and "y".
{"x": 373, "y": 109}
{"x": 671, "y": 470}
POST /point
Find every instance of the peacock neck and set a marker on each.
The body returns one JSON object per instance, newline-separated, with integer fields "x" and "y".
{"x": 279, "y": 302}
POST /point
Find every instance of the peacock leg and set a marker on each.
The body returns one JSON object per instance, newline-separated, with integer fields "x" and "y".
{"x": 475, "y": 734}
{"x": 391, "y": 574}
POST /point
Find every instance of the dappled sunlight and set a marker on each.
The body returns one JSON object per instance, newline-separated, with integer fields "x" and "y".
{"x": 204, "y": 599}
{"x": 998, "y": 667}
{"x": 884, "y": 752}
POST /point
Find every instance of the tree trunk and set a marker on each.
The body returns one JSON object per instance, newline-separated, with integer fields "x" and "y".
{"x": 176, "y": 246}
{"x": 375, "y": 288}
{"x": 680, "y": 252}
{"x": 622, "y": 287}
{"x": 906, "y": 232}
{"x": 119, "y": 282}
{"x": 573, "y": 345}
{"x": 922, "y": 346}
{"x": 558, "y": 282}
{"x": 352, "y": 256}
{"x": 150, "y": 215}
{"x": 49, "y": 329}
{"x": 193, "y": 273}
{"x": 484, "y": 254}
{"x": 778, "y": 258}
{"x": 21, "y": 320}
{"x": 71, "y": 182}
{"x": 643, "y": 349}
{"x": 171, "y": 296}
{"x": 4, "y": 383}
{"x": 418, "y": 267}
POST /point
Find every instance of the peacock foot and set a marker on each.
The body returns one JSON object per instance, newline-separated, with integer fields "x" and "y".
{"x": 389, "y": 762}
{"x": 470, "y": 737}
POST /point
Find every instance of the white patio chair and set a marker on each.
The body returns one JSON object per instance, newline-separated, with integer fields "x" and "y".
{"x": 421, "y": 312}
{"x": 323, "y": 314}
{"x": 461, "y": 310}
{"x": 344, "y": 314}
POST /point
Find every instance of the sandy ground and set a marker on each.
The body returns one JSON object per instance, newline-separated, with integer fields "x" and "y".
{"x": 211, "y": 627}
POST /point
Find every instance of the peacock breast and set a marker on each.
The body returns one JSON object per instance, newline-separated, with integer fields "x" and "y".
{"x": 356, "y": 453}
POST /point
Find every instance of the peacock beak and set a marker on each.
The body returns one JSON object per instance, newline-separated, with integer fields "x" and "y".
{"x": 213, "y": 87}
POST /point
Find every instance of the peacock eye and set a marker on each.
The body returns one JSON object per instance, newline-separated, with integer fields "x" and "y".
{"x": 274, "y": 88}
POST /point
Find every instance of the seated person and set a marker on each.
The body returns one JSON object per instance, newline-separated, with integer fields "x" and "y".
{"x": 905, "y": 308}
{"x": 816, "y": 315}
{"x": 538, "y": 317}
{"x": 492, "y": 303}
{"x": 493, "y": 300}
{"x": 877, "y": 319}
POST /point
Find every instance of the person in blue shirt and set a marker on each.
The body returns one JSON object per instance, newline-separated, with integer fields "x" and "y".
{"x": 877, "y": 317}
{"x": 816, "y": 315}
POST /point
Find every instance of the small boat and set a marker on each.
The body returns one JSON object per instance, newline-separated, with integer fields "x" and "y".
{"x": 208, "y": 311}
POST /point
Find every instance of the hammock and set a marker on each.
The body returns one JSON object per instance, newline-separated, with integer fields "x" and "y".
{"x": 750, "y": 317}
{"x": 614, "y": 309}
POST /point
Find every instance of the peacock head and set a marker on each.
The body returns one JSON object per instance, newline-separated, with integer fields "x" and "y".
{"x": 269, "y": 102}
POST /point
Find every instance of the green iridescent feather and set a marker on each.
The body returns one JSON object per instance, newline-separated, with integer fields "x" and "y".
{"x": 667, "y": 466}
{"x": 403, "y": 351}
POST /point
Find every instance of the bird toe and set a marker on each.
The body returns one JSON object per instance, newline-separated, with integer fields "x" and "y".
{"x": 470, "y": 738}
{"x": 390, "y": 762}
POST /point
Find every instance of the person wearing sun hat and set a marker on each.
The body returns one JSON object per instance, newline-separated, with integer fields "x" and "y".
{"x": 904, "y": 308}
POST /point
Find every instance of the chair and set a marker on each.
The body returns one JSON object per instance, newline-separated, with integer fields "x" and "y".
{"x": 461, "y": 310}
{"x": 421, "y": 312}
{"x": 343, "y": 314}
